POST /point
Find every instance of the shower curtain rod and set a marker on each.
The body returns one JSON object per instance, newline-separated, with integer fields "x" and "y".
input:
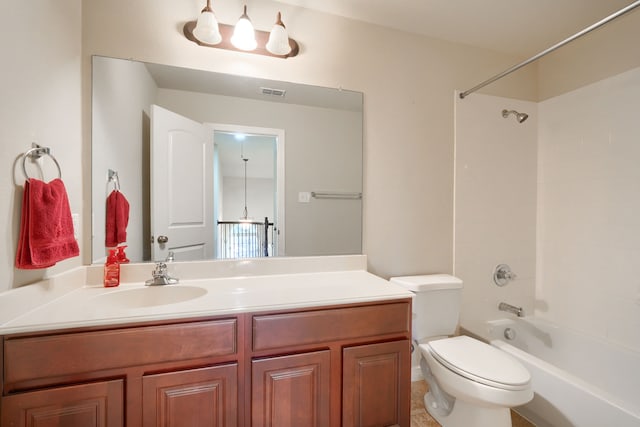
{"x": 551, "y": 49}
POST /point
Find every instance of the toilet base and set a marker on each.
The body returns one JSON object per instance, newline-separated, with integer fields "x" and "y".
{"x": 468, "y": 415}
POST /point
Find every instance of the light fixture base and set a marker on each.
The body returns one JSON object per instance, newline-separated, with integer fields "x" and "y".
{"x": 227, "y": 31}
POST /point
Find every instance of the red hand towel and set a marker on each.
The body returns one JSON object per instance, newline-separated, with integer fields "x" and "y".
{"x": 117, "y": 219}
{"x": 46, "y": 227}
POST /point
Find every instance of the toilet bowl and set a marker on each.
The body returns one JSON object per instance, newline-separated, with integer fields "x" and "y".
{"x": 471, "y": 383}
{"x": 484, "y": 381}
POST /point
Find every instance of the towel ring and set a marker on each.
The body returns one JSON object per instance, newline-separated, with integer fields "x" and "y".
{"x": 36, "y": 153}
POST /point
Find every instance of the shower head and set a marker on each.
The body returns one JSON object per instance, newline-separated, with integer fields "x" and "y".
{"x": 520, "y": 117}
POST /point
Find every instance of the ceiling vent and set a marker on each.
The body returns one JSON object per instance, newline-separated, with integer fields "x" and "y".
{"x": 273, "y": 92}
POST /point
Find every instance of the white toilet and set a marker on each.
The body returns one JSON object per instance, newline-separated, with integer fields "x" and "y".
{"x": 471, "y": 383}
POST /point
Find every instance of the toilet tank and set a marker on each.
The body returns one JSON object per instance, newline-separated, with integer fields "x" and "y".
{"x": 436, "y": 303}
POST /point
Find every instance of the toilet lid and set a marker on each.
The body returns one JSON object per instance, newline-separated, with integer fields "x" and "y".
{"x": 480, "y": 362}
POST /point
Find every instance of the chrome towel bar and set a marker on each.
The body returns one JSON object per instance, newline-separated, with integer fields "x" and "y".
{"x": 335, "y": 195}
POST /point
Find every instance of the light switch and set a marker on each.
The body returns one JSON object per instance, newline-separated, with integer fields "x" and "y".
{"x": 304, "y": 197}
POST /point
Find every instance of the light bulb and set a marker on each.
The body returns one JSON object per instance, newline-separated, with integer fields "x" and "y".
{"x": 206, "y": 29}
{"x": 278, "y": 43}
{"x": 244, "y": 37}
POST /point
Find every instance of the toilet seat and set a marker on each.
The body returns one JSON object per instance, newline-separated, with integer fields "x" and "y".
{"x": 480, "y": 362}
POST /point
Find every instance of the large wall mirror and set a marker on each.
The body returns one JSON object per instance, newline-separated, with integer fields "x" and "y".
{"x": 222, "y": 166}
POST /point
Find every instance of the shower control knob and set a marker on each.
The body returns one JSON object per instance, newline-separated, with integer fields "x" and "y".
{"x": 503, "y": 275}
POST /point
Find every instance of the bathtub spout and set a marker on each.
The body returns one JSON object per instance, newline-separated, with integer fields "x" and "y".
{"x": 518, "y": 311}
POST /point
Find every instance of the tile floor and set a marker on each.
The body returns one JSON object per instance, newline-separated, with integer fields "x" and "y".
{"x": 420, "y": 417}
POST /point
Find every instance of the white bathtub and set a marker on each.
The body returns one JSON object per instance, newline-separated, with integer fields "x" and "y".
{"x": 579, "y": 381}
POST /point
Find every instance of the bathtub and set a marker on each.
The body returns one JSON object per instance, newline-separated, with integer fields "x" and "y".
{"x": 579, "y": 381}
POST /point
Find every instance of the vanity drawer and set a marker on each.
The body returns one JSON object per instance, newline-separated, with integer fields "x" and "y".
{"x": 71, "y": 353}
{"x": 319, "y": 326}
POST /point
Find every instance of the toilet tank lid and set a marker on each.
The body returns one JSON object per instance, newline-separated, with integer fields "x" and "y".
{"x": 431, "y": 282}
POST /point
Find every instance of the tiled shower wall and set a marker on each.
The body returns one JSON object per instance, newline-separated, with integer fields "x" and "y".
{"x": 495, "y": 205}
{"x": 558, "y": 199}
{"x": 589, "y": 209}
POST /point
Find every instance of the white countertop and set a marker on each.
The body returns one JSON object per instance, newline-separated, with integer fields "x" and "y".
{"x": 68, "y": 305}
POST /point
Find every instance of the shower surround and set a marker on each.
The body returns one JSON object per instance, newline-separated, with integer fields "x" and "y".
{"x": 558, "y": 201}
{"x": 495, "y": 205}
{"x": 556, "y": 197}
{"x": 588, "y": 202}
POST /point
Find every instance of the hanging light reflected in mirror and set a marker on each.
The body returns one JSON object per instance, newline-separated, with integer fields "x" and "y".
{"x": 207, "y": 30}
{"x": 244, "y": 36}
{"x": 278, "y": 43}
{"x": 245, "y": 211}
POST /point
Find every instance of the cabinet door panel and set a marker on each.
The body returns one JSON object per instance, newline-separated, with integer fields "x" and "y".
{"x": 206, "y": 397}
{"x": 376, "y": 385}
{"x": 291, "y": 391}
{"x": 86, "y": 405}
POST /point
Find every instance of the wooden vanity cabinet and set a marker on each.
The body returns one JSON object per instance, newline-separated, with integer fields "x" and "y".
{"x": 345, "y": 365}
{"x": 341, "y": 366}
{"x": 133, "y": 375}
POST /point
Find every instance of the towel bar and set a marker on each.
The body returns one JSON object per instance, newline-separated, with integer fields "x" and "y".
{"x": 335, "y": 195}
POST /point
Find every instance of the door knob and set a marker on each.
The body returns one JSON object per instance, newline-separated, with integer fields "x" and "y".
{"x": 163, "y": 239}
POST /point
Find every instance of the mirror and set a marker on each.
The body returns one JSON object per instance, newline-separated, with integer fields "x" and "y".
{"x": 309, "y": 170}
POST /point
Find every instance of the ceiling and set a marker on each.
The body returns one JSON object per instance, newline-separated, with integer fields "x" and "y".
{"x": 520, "y": 27}
{"x": 260, "y": 150}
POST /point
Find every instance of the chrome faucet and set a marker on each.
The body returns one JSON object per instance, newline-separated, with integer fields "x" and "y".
{"x": 161, "y": 276}
{"x": 518, "y": 311}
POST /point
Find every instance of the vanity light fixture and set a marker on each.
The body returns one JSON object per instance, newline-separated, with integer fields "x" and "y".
{"x": 207, "y": 31}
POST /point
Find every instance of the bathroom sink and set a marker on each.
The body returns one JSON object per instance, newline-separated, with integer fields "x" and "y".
{"x": 149, "y": 296}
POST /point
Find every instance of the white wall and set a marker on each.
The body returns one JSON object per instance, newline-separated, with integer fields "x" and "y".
{"x": 588, "y": 204}
{"x": 40, "y": 102}
{"x": 259, "y": 198}
{"x": 495, "y": 205}
{"x": 121, "y": 100}
{"x": 609, "y": 51}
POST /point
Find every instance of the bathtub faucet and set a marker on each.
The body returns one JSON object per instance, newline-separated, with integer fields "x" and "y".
{"x": 518, "y": 311}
